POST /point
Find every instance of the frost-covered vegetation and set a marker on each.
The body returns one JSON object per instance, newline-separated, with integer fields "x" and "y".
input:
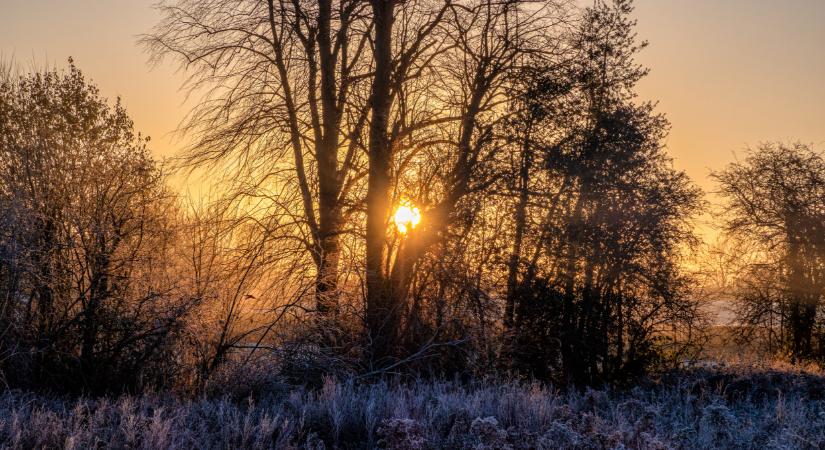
{"x": 735, "y": 406}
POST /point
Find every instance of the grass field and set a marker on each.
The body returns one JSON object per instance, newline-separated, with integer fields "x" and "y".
{"x": 739, "y": 405}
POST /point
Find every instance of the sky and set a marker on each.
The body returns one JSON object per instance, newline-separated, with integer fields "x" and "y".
{"x": 728, "y": 73}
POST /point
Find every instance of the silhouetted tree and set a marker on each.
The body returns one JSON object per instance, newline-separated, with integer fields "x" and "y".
{"x": 87, "y": 242}
{"x": 603, "y": 284}
{"x": 776, "y": 202}
{"x": 442, "y": 124}
{"x": 331, "y": 100}
{"x": 286, "y": 106}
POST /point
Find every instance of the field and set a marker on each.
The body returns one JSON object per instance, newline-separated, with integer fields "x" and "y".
{"x": 734, "y": 405}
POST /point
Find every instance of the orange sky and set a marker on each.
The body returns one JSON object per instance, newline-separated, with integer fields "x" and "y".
{"x": 728, "y": 73}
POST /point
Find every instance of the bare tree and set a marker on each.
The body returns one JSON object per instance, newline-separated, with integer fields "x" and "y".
{"x": 285, "y": 99}
{"x": 775, "y": 201}
{"x": 475, "y": 46}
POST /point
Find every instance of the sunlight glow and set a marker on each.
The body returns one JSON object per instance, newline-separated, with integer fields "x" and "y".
{"x": 406, "y": 216}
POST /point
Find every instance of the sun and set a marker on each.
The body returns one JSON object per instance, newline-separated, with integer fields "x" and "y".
{"x": 406, "y": 217}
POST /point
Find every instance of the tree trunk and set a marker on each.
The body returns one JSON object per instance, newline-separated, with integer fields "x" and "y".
{"x": 520, "y": 225}
{"x": 325, "y": 232}
{"x": 382, "y": 315}
{"x": 329, "y": 211}
{"x": 803, "y": 311}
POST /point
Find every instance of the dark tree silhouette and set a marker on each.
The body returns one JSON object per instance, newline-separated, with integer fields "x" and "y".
{"x": 287, "y": 105}
{"x": 86, "y": 243}
{"x": 776, "y": 202}
{"x": 610, "y": 216}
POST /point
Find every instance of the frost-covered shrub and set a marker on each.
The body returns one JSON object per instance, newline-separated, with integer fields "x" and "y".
{"x": 401, "y": 434}
{"x": 560, "y": 435}
{"x": 488, "y": 435}
{"x": 241, "y": 381}
{"x": 717, "y": 426}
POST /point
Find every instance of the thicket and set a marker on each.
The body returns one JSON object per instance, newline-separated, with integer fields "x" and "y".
{"x": 553, "y": 227}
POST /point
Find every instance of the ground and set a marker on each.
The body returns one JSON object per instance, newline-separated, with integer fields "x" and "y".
{"x": 709, "y": 405}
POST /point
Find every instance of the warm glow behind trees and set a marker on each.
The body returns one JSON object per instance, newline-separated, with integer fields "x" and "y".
{"x": 470, "y": 176}
{"x": 337, "y": 113}
{"x": 775, "y": 206}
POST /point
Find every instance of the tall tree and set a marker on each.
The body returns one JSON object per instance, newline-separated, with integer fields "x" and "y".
{"x": 286, "y": 98}
{"x": 439, "y": 89}
{"x": 608, "y": 214}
